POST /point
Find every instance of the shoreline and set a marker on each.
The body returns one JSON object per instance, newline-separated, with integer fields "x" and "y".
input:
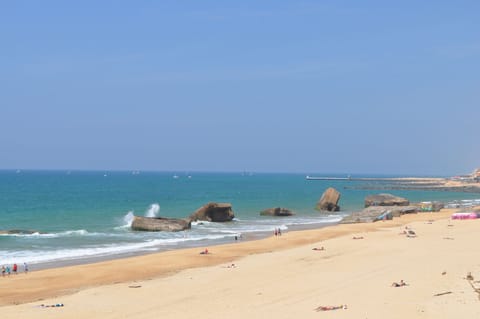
{"x": 246, "y": 237}
{"x": 20, "y": 289}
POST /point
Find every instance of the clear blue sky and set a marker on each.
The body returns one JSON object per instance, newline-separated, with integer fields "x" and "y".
{"x": 272, "y": 86}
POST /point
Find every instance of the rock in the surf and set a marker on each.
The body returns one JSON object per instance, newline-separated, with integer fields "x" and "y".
{"x": 160, "y": 224}
{"x": 18, "y": 232}
{"x": 329, "y": 200}
{"x": 277, "y": 211}
{"x": 214, "y": 212}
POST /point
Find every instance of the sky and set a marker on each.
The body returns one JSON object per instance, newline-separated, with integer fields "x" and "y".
{"x": 377, "y": 87}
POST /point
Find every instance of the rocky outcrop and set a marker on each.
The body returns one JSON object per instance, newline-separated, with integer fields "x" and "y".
{"x": 375, "y": 213}
{"x": 385, "y": 200}
{"x": 160, "y": 224}
{"x": 329, "y": 200}
{"x": 214, "y": 212}
{"x": 277, "y": 211}
{"x": 19, "y": 232}
{"x": 398, "y": 211}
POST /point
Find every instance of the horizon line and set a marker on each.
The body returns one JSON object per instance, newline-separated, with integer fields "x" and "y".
{"x": 187, "y": 172}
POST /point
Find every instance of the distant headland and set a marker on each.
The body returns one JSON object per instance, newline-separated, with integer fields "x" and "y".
{"x": 460, "y": 183}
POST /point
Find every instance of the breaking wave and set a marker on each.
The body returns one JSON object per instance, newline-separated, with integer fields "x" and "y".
{"x": 153, "y": 210}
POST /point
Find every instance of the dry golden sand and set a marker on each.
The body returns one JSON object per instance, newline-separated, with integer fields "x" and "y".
{"x": 280, "y": 277}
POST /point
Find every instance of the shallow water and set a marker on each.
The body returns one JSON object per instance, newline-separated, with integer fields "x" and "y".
{"x": 81, "y": 215}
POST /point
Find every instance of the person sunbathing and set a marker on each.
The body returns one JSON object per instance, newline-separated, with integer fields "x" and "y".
{"x": 49, "y": 306}
{"x": 326, "y": 308}
{"x": 399, "y": 284}
{"x": 411, "y": 233}
{"x": 316, "y": 248}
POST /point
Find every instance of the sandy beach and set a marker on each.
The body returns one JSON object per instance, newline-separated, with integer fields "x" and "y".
{"x": 278, "y": 276}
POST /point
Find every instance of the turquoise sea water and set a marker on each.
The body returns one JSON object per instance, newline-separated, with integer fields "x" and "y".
{"x": 85, "y": 215}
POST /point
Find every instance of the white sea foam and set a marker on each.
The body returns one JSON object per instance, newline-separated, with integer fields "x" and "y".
{"x": 68, "y": 233}
{"x": 135, "y": 242}
{"x": 201, "y": 223}
{"x": 43, "y": 256}
{"x": 80, "y": 232}
{"x": 153, "y": 210}
{"x": 128, "y": 219}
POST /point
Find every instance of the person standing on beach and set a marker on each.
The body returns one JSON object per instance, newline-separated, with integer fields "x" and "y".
{"x": 3, "y": 271}
{"x": 25, "y": 267}
{"x": 15, "y": 268}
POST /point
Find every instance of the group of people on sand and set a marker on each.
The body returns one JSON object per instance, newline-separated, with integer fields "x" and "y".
{"x": 7, "y": 270}
{"x": 277, "y": 232}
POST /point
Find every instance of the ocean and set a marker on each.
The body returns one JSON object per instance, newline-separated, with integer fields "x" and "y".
{"x": 84, "y": 216}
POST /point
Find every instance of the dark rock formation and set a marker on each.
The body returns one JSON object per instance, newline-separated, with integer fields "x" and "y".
{"x": 329, "y": 200}
{"x": 376, "y": 213}
{"x": 160, "y": 224}
{"x": 18, "y": 232}
{"x": 277, "y": 211}
{"x": 398, "y": 211}
{"x": 385, "y": 200}
{"x": 214, "y": 212}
